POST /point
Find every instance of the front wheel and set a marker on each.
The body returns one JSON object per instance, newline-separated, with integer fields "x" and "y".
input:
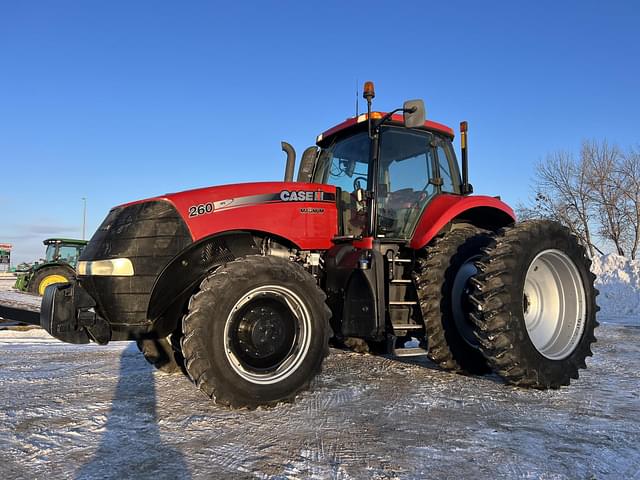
{"x": 536, "y": 305}
{"x": 256, "y": 332}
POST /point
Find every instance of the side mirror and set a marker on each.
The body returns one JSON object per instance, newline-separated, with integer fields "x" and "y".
{"x": 414, "y": 113}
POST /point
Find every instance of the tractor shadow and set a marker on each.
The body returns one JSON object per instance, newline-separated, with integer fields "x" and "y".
{"x": 131, "y": 445}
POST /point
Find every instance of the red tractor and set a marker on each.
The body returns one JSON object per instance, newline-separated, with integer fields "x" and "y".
{"x": 378, "y": 242}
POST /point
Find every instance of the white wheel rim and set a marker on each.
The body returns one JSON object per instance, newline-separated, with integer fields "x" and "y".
{"x": 301, "y": 343}
{"x": 554, "y": 304}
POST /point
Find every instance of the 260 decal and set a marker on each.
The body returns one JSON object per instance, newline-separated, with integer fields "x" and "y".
{"x": 200, "y": 209}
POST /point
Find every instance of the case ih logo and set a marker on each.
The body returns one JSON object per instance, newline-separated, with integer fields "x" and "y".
{"x": 302, "y": 196}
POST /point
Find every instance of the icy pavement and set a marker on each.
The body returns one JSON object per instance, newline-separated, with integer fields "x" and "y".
{"x": 102, "y": 412}
{"x": 13, "y": 298}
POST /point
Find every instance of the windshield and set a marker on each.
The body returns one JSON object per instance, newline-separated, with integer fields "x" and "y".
{"x": 69, "y": 254}
{"x": 411, "y": 162}
{"x": 414, "y": 165}
{"x": 50, "y": 253}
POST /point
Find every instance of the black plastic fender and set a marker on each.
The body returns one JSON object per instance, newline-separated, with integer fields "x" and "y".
{"x": 185, "y": 271}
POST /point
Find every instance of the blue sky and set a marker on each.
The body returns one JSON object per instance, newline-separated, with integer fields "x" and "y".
{"x": 121, "y": 100}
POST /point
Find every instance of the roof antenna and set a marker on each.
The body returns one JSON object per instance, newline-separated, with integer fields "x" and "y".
{"x": 357, "y": 99}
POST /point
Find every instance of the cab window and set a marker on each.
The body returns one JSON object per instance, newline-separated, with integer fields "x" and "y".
{"x": 345, "y": 164}
{"x": 448, "y": 175}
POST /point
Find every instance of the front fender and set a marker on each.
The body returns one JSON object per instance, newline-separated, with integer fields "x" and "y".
{"x": 178, "y": 279}
{"x": 483, "y": 211}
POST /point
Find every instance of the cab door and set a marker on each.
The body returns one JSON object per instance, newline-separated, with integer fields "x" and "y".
{"x": 355, "y": 281}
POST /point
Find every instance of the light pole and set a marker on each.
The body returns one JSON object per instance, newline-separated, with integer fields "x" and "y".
{"x": 84, "y": 215}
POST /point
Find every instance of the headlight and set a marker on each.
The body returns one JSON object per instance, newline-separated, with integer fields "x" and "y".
{"x": 117, "y": 267}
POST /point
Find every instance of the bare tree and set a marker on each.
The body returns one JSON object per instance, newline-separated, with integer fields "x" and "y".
{"x": 630, "y": 189}
{"x": 606, "y": 185}
{"x": 563, "y": 192}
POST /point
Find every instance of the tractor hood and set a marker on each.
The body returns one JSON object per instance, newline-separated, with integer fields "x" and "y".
{"x": 304, "y": 213}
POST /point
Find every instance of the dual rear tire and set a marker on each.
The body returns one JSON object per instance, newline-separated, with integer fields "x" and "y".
{"x": 535, "y": 304}
{"x": 520, "y": 302}
{"x": 442, "y": 282}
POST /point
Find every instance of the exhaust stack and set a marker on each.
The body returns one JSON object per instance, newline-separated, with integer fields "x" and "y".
{"x": 467, "y": 188}
{"x": 291, "y": 161}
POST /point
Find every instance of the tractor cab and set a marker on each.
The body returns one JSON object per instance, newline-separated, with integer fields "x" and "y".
{"x": 61, "y": 259}
{"x": 63, "y": 250}
{"x": 391, "y": 172}
{"x": 383, "y": 192}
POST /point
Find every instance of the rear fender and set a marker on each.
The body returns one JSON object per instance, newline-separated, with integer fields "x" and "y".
{"x": 485, "y": 212}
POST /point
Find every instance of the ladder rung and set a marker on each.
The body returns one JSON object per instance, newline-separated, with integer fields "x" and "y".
{"x": 406, "y": 326}
{"x": 409, "y": 352}
{"x": 393, "y": 303}
{"x": 401, "y": 280}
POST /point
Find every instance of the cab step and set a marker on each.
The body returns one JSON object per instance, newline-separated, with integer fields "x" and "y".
{"x": 406, "y": 326}
{"x": 409, "y": 352}
{"x": 403, "y": 303}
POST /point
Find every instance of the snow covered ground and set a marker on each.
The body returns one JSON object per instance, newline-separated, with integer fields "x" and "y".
{"x": 103, "y": 412}
{"x": 618, "y": 281}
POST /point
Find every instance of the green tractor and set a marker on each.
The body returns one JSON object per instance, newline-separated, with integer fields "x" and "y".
{"x": 61, "y": 258}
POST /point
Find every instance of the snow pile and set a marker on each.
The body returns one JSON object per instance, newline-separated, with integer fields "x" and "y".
{"x": 618, "y": 280}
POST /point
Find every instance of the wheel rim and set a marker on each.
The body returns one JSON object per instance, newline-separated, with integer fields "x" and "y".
{"x": 267, "y": 334}
{"x": 460, "y": 305}
{"x": 50, "y": 280}
{"x": 553, "y": 304}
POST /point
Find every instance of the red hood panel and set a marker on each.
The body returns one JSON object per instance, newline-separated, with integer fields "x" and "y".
{"x": 303, "y": 213}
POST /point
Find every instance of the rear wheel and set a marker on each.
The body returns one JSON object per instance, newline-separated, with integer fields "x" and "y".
{"x": 442, "y": 281}
{"x": 536, "y": 310}
{"x": 46, "y": 276}
{"x": 256, "y": 333}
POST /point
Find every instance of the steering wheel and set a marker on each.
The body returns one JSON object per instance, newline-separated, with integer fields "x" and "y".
{"x": 356, "y": 182}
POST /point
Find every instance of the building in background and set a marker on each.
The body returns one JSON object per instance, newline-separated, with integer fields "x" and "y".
{"x": 5, "y": 257}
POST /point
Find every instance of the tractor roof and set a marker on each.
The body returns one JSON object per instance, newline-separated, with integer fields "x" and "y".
{"x": 395, "y": 120}
{"x": 70, "y": 241}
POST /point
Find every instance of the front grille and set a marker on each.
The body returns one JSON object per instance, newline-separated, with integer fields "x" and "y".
{"x": 150, "y": 234}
